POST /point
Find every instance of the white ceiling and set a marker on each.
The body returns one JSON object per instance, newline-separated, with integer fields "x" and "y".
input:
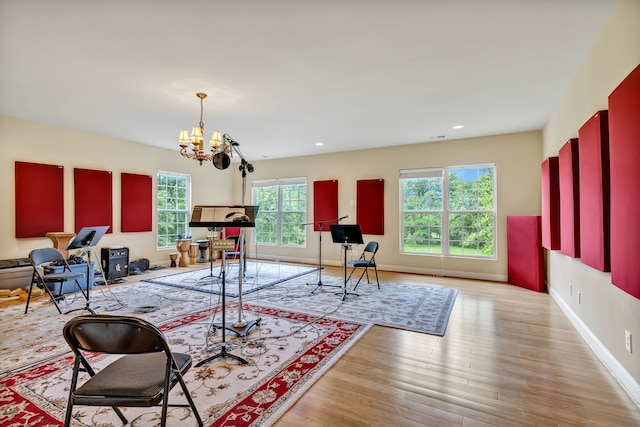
{"x": 282, "y": 75}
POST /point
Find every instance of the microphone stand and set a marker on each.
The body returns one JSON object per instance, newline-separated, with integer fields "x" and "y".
{"x": 241, "y": 328}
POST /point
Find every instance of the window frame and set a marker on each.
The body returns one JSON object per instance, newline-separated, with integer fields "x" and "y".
{"x": 162, "y": 210}
{"x": 447, "y": 211}
{"x": 280, "y": 183}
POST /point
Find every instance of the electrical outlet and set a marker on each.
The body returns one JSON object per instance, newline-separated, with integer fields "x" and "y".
{"x": 627, "y": 340}
{"x": 570, "y": 289}
{"x": 579, "y": 298}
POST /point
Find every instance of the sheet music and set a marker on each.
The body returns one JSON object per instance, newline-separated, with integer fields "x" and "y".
{"x": 216, "y": 213}
{"x": 219, "y": 216}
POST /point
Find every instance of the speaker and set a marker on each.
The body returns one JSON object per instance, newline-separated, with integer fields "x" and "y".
{"x": 115, "y": 262}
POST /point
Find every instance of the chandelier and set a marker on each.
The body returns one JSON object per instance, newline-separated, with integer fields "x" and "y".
{"x": 220, "y": 151}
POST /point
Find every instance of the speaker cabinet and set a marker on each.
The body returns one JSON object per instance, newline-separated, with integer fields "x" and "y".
{"x": 115, "y": 262}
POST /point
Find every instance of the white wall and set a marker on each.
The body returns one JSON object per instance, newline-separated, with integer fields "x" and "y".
{"x": 37, "y": 143}
{"x": 605, "y": 311}
{"x": 517, "y": 158}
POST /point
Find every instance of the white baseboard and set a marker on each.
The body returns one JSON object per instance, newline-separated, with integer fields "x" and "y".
{"x": 617, "y": 370}
{"x": 402, "y": 269}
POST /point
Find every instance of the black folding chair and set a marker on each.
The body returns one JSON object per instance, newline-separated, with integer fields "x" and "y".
{"x": 366, "y": 260}
{"x": 42, "y": 257}
{"x": 143, "y": 377}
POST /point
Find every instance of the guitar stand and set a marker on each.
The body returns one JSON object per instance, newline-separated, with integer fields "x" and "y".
{"x": 87, "y": 306}
{"x": 87, "y": 238}
{"x": 344, "y": 292}
{"x": 223, "y": 350}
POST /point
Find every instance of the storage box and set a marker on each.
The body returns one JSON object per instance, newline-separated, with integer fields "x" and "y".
{"x": 70, "y": 285}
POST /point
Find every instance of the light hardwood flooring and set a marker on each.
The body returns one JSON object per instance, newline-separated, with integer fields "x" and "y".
{"x": 509, "y": 358}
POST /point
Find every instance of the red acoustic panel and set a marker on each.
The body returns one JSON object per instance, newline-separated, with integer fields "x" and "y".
{"x": 39, "y": 199}
{"x": 569, "y": 199}
{"x": 93, "y": 198}
{"x": 593, "y": 142}
{"x": 325, "y": 204}
{"x": 524, "y": 252}
{"x": 136, "y": 193}
{"x": 550, "y": 204}
{"x": 370, "y": 206}
{"x": 624, "y": 151}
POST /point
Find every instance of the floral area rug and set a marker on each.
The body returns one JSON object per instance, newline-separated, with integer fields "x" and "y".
{"x": 257, "y": 276}
{"x": 286, "y": 354}
{"x": 31, "y": 339}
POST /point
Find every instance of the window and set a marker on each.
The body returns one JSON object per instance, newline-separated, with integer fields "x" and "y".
{"x": 174, "y": 203}
{"x": 282, "y": 209}
{"x": 449, "y": 211}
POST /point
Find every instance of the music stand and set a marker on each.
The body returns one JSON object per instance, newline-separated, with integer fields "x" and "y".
{"x": 86, "y": 239}
{"x": 321, "y": 228}
{"x": 347, "y": 235}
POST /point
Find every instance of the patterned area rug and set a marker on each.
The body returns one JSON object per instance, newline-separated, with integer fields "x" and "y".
{"x": 418, "y": 308}
{"x": 257, "y": 276}
{"x": 286, "y": 354}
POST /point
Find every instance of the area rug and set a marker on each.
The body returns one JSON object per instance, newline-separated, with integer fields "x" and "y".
{"x": 35, "y": 338}
{"x": 286, "y": 353}
{"x": 257, "y": 276}
{"x": 419, "y": 308}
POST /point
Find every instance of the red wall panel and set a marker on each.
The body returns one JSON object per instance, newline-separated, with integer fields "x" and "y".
{"x": 370, "y": 206}
{"x": 136, "y": 203}
{"x": 39, "y": 199}
{"x": 550, "y": 204}
{"x": 93, "y": 196}
{"x": 593, "y": 142}
{"x": 569, "y": 199}
{"x": 525, "y": 262}
{"x": 624, "y": 132}
{"x": 325, "y": 203}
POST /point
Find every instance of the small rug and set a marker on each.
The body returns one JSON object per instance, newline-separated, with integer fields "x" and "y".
{"x": 258, "y": 276}
{"x": 286, "y": 354}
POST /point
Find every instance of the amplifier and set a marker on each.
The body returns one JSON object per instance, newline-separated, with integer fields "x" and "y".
{"x": 115, "y": 262}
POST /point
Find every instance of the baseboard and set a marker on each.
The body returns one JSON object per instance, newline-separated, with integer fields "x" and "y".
{"x": 401, "y": 269}
{"x": 617, "y": 370}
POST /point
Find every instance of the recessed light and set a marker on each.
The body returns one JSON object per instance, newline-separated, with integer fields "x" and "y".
{"x": 457, "y": 127}
{"x": 319, "y": 144}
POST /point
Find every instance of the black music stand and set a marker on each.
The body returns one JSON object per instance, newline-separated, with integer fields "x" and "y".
{"x": 86, "y": 239}
{"x": 347, "y": 235}
{"x": 321, "y": 227}
{"x": 218, "y": 216}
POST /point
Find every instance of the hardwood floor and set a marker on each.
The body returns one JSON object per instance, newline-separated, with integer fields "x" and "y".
{"x": 509, "y": 358}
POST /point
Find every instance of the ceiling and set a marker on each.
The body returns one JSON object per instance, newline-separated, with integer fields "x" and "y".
{"x": 283, "y": 75}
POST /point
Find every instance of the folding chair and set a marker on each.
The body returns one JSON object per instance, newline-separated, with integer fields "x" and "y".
{"x": 143, "y": 377}
{"x": 40, "y": 257}
{"x": 366, "y": 260}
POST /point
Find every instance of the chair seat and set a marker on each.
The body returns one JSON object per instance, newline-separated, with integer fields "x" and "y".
{"x": 135, "y": 376}
{"x": 62, "y": 277}
{"x": 360, "y": 263}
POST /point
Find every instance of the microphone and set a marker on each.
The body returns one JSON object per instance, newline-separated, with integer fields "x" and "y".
{"x": 343, "y": 217}
{"x": 230, "y": 140}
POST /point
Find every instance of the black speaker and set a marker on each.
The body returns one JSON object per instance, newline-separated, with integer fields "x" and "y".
{"x": 115, "y": 262}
